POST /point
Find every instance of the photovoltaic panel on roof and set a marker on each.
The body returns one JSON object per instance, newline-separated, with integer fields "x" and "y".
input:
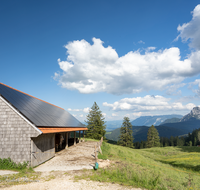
{"x": 40, "y": 113}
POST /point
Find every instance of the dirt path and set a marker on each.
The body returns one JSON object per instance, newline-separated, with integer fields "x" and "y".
{"x": 7, "y": 172}
{"x": 74, "y": 158}
{"x": 58, "y": 173}
{"x": 67, "y": 183}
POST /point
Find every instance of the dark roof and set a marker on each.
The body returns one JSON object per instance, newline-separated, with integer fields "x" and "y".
{"x": 38, "y": 112}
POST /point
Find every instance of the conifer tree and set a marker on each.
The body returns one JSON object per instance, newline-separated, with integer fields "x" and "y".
{"x": 153, "y": 139}
{"x": 126, "y": 133}
{"x": 95, "y": 123}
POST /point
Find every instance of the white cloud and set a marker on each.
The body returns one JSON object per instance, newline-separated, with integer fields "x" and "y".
{"x": 195, "y": 83}
{"x": 137, "y": 114}
{"x": 77, "y": 110}
{"x": 191, "y": 30}
{"x": 147, "y": 103}
{"x": 114, "y": 115}
{"x": 104, "y": 114}
{"x": 150, "y": 48}
{"x": 171, "y": 90}
{"x": 86, "y": 110}
{"x": 95, "y": 68}
{"x": 141, "y": 42}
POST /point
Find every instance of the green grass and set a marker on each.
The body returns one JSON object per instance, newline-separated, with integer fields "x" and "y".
{"x": 23, "y": 177}
{"x": 8, "y": 164}
{"x": 154, "y": 168}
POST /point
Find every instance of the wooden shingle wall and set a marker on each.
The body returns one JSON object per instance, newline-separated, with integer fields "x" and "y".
{"x": 15, "y": 134}
{"x": 43, "y": 148}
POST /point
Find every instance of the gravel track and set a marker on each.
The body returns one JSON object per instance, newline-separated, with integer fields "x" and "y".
{"x": 64, "y": 166}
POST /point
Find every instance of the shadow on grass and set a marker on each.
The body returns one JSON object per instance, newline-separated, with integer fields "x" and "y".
{"x": 189, "y": 148}
{"x": 111, "y": 141}
{"x": 185, "y": 166}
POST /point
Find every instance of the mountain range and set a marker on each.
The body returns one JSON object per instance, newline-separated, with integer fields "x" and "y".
{"x": 153, "y": 120}
{"x": 173, "y": 126}
{"x": 144, "y": 121}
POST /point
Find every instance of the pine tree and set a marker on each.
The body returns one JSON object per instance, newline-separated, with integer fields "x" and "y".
{"x": 126, "y": 133}
{"x": 95, "y": 123}
{"x": 153, "y": 139}
{"x": 198, "y": 136}
{"x": 172, "y": 141}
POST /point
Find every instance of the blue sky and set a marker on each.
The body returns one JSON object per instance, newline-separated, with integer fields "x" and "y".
{"x": 134, "y": 58}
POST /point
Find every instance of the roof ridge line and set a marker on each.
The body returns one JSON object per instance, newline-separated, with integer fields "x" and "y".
{"x": 31, "y": 96}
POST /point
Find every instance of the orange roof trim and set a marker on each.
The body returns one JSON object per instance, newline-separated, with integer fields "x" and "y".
{"x": 61, "y": 129}
{"x": 31, "y": 96}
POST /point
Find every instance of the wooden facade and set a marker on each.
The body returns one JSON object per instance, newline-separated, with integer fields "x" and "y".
{"x": 23, "y": 141}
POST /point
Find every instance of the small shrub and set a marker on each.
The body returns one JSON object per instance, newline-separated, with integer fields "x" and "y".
{"x": 7, "y": 163}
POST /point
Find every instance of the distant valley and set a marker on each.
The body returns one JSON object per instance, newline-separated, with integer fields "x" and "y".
{"x": 167, "y": 125}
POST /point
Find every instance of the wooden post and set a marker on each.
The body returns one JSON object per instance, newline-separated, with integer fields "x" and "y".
{"x": 99, "y": 147}
{"x": 83, "y": 136}
{"x": 66, "y": 141}
{"x": 95, "y": 150}
{"x": 75, "y": 138}
{"x": 79, "y": 136}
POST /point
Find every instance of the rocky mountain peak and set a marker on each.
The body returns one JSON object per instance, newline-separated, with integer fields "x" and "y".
{"x": 195, "y": 113}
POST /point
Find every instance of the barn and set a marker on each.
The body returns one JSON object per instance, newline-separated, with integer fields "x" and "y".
{"x": 31, "y": 129}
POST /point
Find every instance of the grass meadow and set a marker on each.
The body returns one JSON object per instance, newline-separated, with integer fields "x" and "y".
{"x": 175, "y": 168}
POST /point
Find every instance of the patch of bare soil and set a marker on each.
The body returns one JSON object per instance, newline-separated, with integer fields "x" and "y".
{"x": 59, "y": 172}
{"x": 76, "y": 157}
{"x": 7, "y": 172}
{"x": 62, "y": 180}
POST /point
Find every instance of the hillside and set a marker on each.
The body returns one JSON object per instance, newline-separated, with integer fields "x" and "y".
{"x": 111, "y": 125}
{"x": 173, "y": 126}
{"x": 172, "y": 120}
{"x": 140, "y": 132}
{"x": 188, "y": 125}
{"x": 150, "y": 168}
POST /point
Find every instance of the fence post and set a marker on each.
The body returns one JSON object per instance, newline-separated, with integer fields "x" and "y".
{"x": 95, "y": 150}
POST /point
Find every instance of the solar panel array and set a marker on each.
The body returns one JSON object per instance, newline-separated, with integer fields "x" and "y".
{"x": 37, "y": 111}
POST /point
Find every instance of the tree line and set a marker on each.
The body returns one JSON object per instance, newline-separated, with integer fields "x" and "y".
{"x": 191, "y": 139}
{"x": 96, "y": 129}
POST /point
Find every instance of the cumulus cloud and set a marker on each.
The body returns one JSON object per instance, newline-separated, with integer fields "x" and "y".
{"x": 114, "y": 115}
{"x": 147, "y": 103}
{"x": 172, "y": 90}
{"x": 95, "y": 68}
{"x": 85, "y": 110}
{"x": 141, "y": 42}
{"x": 92, "y": 68}
{"x": 76, "y": 110}
{"x": 137, "y": 114}
{"x": 191, "y": 30}
{"x": 196, "y": 90}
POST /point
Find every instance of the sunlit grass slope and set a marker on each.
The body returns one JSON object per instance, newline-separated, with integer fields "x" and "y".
{"x": 154, "y": 168}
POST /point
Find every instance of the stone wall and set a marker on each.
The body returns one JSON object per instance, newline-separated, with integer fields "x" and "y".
{"x": 15, "y": 134}
{"x": 42, "y": 148}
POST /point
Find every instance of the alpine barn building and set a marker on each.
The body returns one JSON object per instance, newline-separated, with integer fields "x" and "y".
{"x": 32, "y": 130}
